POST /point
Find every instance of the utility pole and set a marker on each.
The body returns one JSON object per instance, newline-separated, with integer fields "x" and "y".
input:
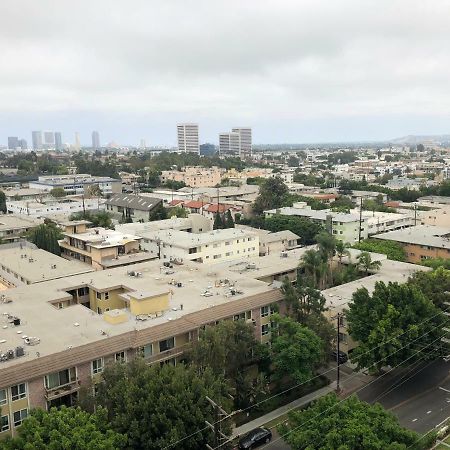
{"x": 338, "y": 368}
{"x": 415, "y": 214}
{"x": 219, "y": 415}
{"x": 360, "y": 219}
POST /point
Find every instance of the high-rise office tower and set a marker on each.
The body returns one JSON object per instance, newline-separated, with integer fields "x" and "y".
{"x": 229, "y": 144}
{"x": 49, "y": 138}
{"x": 188, "y": 137}
{"x": 23, "y": 144}
{"x": 142, "y": 144}
{"x": 58, "y": 140}
{"x": 95, "y": 140}
{"x": 77, "y": 144}
{"x": 37, "y": 139}
{"x": 13, "y": 142}
{"x": 245, "y": 138}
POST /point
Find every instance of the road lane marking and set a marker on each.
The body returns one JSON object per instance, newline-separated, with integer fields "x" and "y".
{"x": 428, "y": 412}
{"x": 443, "y": 389}
{"x": 413, "y": 420}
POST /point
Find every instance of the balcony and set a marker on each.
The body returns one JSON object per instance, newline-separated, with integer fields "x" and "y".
{"x": 61, "y": 391}
{"x": 167, "y": 354}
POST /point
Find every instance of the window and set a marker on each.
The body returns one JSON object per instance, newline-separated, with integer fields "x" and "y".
{"x": 98, "y": 295}
{"x": 97, "y": 366}
{"x": 120, "y": 357}
{"x": 106, "y": 295}
{"x": 18, "y": 391}
{"x": 3, "y": 397}
{"x": 19, "y": 417}
{"x": 4, "y": 423}
{"x": 265, "y": 329}
{"x": 167, "y": 344}
{"x": 264, "y": 311}
{"x": 145, "y": 351}
{"x": 61, "y": 378}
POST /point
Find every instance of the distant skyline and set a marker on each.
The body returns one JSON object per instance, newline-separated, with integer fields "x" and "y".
{"x": 296, "y": 72}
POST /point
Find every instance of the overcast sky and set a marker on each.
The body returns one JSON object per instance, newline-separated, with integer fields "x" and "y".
{"x": 296, "y": 71}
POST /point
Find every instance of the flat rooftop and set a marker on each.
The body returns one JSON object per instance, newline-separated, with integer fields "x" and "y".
{"x": 10, "y": 221}
{"x": 428, "y": 235}
{"x": 36, "y": 265}
{"x": 314, "y": 214}
{"x": 103, "y": 238}
{"x": 74, "y": 326}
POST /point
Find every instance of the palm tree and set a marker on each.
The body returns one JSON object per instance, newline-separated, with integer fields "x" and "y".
{"x": 313, "y": 263}
{"x": 327, "y": 248}
{"x": 365, "y": 263}
{"x": 341, "y": 250}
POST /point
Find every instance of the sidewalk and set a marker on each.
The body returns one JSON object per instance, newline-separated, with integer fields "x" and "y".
{"x": 260, "y": 421}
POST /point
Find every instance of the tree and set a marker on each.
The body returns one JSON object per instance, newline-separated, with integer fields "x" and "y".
{"x": 155, "y": 406}
{"x": 157, "y": 213}
{"x": 178, "y": 211}
{"x": 435, "y": 285}
{"x": 66, "y": 428}
{"x": 46, "y": 237}
{"x": 3, "y": 202}
{"x": 94, "y": 191}
{"x": 341, "y": 250}
{"x": 98, "y": 219}
{"x": 330, "y": 423}
{"x": 327, "y": 249}
{"x": 342, "y": 203}
{"x": 393, "y": 326}
{"x": 218, "y": 221}
{"x": 393, "y": 250}
{"x": 366, "y": 264}
{"x": 58, "y": 192}
{"x": 271, "y": 195}
{"x": 229, "y": 349}
{"x": 229, "y": 222}
{"x": 296, "y": 350}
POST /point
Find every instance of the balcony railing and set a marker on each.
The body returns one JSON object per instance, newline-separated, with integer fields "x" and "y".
{"x": 60, "y": 391}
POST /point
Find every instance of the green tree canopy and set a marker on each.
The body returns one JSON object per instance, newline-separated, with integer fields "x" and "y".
{"x": 58, "y": 192}
{"x": 158, "y": 213}
{"x": 330, "y": 423}
{"x": 393, "y": 250}
{"x": 2, "y": 202}
{"x": 98, "y": 219}
{"x": 218, "y": 221}
{"x": 271, "y": 195}
{"x": 45, "y": 237}
{"x": 366, "y": 264}
{"x": 66, "y": 429}
{"x": 156, "y": 406}
{"x": 296, "y": 350}
{"x": 393, "y": 325}
{"x": 435, "y": 285}
{"x": 229, "y": 222}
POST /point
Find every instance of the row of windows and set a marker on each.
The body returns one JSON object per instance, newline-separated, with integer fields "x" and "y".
{"x": 16, "y": 393}
{"x": 18, "y": 418}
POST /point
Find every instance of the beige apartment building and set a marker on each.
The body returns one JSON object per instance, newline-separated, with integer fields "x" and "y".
{"x": 194, "y": 177}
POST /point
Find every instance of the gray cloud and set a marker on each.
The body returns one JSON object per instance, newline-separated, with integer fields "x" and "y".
{"x": 233, "y": 60}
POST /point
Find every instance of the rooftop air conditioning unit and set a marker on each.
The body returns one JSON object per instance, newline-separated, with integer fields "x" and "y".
{"x": 19, "y": 351}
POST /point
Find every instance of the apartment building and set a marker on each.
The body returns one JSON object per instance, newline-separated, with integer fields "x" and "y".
{"x": 187, "y": 134}
{"x": 14, "y": 227}
{"x": 194, "y": 176}
{"x": 211, "y": 247}
{"x": 75, "y": 326}
{"x": 132, "y": 206}
{"x": 421, "y": 242}
{"x": 77, "y": 184}
{"x": 381, "y": 222}
{"x": 102, "y": 248}
{"x": 345, "y": 227}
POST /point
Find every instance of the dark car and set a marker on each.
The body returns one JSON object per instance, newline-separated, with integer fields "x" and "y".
{"x": 343, "y": 358}
{"x": 255, "y": 438}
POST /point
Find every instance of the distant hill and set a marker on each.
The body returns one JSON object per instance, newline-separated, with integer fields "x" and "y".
{"x": 417, "y": 139}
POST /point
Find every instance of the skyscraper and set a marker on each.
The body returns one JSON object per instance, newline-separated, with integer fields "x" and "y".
{"x": 188, "y": 138}
{"x": 229, "y": 144}
{"x": 95, "y": 140}
{"x": 245, "y": 138}
{"x": 58, "y": 140}
{"x": 49, "y": 138}
{"x": 77, "y": 144}
{"x": 13, "y": 142}
{"x": 23, "y": 144}
{"x": 37, "y": 139}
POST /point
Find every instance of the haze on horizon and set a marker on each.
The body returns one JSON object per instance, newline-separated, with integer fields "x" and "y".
{"x": 296, "y": 71}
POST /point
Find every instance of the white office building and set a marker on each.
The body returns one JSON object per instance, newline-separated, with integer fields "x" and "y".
{"x": 237, "y": 143}
{"x": 245, "y": 141}
{"x": 188, "y": 138}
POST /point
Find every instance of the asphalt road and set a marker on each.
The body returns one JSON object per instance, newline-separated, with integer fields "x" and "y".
{"x": 419, "y": 396}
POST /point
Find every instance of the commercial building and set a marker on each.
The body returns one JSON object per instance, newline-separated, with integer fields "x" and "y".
{"x": 95, "y": 140}
{"x": 77, "y": 184}
{"x": 49, "y": 139}
{"x": 36, "y": 139}
{"x": 13, "y": 227}
{"x": 132, "y": 206}
{"x": 188, "y": 138}
{"x": 345, "y": 227}
{"x": 236, "y": 143}
{"x": 245, "y": 141}
{"x": 207, "y": 247}
{"x": 421, "y": 242}
{"x": 22, "y": 263}
{"x": 102, "y": 248}
{"x": 58, "y": 141}
{"x": 13, "y": 142}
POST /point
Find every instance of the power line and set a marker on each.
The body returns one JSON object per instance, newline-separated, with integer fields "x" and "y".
{"x": 358, "y": 390}
{"x": 309, "y": 380}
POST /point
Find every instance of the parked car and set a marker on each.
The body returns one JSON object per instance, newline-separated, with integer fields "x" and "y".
{"x": 343, "y": 358}
{"x": 256, "y": 437}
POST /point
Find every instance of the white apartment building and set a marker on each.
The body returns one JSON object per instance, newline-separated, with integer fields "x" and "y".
{"x": 212, "y": 247}
{"x": 380, "y": 222}
{"x": 238, "y": 142}
{"x": 188, "y": 138}
{"x": 77, "y": 184}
